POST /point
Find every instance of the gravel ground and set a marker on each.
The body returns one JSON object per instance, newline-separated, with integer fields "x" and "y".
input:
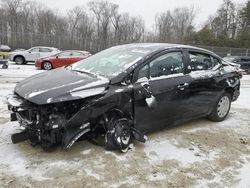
{"x": 196, "y": 154}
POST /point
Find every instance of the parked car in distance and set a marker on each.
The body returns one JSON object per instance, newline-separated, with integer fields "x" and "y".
{"x": 32, "y": 54}
{"x": 122, "y": 93}
{"x": 61, "y": 59}
{"x": 19, "y": 49}
{"x": 4, "y": 53}
{"x": 243, "y": 61}
{"x": 4, "y": 48}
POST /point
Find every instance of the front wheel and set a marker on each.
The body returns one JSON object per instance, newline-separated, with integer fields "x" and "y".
{"x": 118, "y": 135}
{"x": 19, "y": 60}
{"x": 221, "y": 108}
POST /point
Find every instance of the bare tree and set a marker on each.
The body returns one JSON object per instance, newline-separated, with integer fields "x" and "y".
{"x": 175, "y": 26}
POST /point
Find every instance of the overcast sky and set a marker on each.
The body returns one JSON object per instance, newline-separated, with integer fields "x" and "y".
{"x": 148, "y": 8}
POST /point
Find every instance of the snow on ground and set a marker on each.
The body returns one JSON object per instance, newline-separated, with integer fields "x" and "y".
{"x": 196, "y": 154}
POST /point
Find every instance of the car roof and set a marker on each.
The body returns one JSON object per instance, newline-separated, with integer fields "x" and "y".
{"x": 234, "y": 56}
{"x": 162, "y": 46}
{"x": 75, "y": 51}
{"x": 72, "y": 51}
{"x": 44, "y": 47}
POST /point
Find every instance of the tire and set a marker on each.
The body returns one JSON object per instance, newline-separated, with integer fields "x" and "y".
{"x": 19, "y": 60}
{"x": 221, "y": 108}
{"x": 118, "y": 135}
{"x": 47, "y": 65}
{"x": 4, "y": 66}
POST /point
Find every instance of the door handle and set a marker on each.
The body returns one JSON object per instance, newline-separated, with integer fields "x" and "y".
{"x": 183, "y": 86}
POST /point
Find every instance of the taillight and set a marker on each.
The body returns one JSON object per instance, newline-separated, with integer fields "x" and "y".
{"x": 242, "y": 72}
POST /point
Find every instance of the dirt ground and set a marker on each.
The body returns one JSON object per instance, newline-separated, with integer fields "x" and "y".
{"x": 195, "y": 154}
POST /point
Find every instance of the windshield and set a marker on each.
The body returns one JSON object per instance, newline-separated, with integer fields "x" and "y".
{"x": 113, "y": 61}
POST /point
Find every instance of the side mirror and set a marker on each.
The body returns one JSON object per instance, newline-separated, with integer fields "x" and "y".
{"x": 221, "y": 68}
{"x": 57, "y": 57}
{"x": 128, "y": 79}
{"x": 146, "y": 87}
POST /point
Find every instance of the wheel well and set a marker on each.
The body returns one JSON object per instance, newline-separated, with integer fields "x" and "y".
{"x": 117, "y": 112}
{"x": 19, "y": 56}
{"x": 230, "y": 90}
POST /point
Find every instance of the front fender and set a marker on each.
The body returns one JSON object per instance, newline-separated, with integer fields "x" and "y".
{"x": 95, "y": 109}
{"x": 74, "y": 133}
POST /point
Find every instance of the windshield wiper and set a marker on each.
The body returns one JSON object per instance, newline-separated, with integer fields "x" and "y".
{"x": 84, "y": 72}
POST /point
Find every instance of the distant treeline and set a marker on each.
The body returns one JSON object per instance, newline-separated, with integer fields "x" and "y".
{"x": 99, "y": 25}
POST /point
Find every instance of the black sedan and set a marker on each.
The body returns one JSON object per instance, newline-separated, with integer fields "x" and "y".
{"x": 243, "y": 61}
{"x": 123, "y": 93}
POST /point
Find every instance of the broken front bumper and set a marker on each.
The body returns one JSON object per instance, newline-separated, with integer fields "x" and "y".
{"x": 20, "y": 110}
{"x": 42, "y": 127}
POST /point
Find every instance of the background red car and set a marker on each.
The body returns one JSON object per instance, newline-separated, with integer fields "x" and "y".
{"x": 61, "y": 59}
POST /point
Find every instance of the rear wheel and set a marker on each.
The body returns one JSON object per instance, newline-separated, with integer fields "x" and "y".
{"x": 222, "y": 108}
{"x": 19, "y": 60}
{"x": 47, "y": 65}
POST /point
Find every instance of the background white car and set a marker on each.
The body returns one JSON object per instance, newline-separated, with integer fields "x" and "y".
{"x": 32, "y": 54}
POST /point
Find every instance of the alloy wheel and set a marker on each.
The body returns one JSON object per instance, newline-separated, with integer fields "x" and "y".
{"x": 223, "y": 106}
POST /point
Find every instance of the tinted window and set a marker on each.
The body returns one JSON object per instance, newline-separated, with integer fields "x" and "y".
{"x": 143, "y": 72}
{"x": 245, "y": 59}
{"x": 45, "y": 50}
{"x": 170, "y": 63}
{"x": 201, "y": 61}
{"x": 167, "y": 64}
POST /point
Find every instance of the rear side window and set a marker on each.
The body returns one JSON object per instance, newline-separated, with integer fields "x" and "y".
{"x": 201, "y": 61}
{"x": 77, "y": 54}
{"x": 65, "y": 54}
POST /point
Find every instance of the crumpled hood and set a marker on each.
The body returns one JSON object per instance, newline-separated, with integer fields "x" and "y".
{"x": 60, "y": 85}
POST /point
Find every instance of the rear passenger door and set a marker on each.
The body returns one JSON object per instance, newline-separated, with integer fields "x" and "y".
{"x": 76, "y": 56}
{"x": 64, "y": 58}
{"x": 205, "y": 82}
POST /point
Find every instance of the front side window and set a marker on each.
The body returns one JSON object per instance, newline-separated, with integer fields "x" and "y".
{"x": 143, "y": 73}
{"x": 167, "y": 64}
{"x": 201, "y": 61}
{"x": 34, "y": 50}
{"x": 164, "y": 65}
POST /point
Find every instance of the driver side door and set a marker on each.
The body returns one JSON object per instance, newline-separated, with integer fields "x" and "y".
{"x": 33, "y": 54}
{"x": 161, "y": 92}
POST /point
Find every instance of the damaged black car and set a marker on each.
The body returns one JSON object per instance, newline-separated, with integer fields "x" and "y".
{"x": 120, "y": 94}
